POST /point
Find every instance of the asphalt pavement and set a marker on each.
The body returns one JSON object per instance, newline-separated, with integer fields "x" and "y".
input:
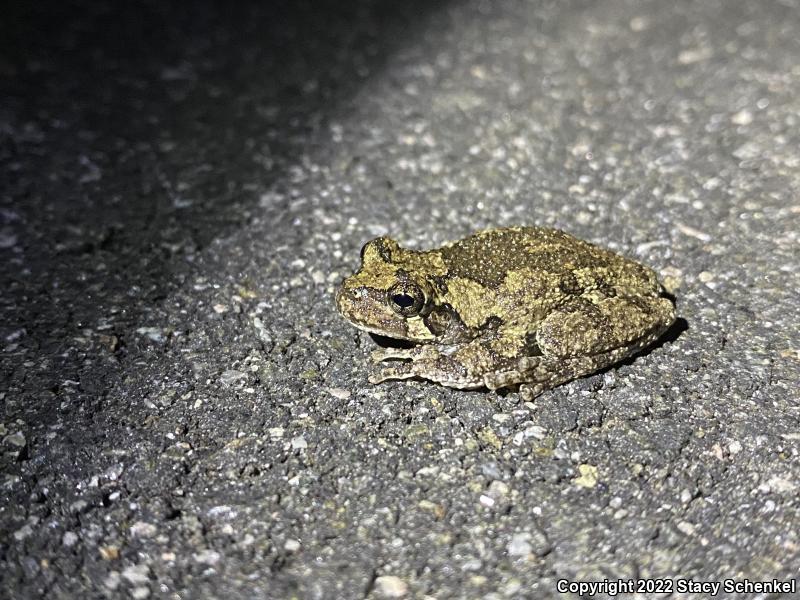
{"x": 183, "y": 186}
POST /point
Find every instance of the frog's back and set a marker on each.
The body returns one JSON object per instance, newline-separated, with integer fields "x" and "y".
{"x": 488, "y": 256}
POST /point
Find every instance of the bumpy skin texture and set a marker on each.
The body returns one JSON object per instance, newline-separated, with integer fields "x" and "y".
{"x": 519, "y": 306}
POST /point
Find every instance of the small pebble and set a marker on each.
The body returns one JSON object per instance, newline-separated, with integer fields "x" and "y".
{"x": 113, "y": 580}
{"x": 23, "y": 532}
{"x": 140, "y": 593}
{"x": 16, "y": 439}
{"x": 154, "y": 334}
{"x": 140, "y": 529}
{"x": 223, "y": 511}
{"x": 339, "y": 393}
{"x": 231, "y": 376}
{"x": 137, "y": 574}
{"x": 743, "y": 117}
{"x": 389, "y": 586}
{"x": 498, "y": 489}
{"x": 207, "y": 557}
{"x": 588, "y": 476}
{"x": 519, "y": 545}
{"x": 686, "y": 527}
{"x": 109, "y": 552}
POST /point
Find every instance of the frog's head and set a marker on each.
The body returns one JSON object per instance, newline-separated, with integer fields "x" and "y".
{"x": 391, "y": 293}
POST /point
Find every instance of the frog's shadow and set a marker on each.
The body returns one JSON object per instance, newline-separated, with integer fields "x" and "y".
{"x": 389, "y": 342}
{"x": 670, "y": 335}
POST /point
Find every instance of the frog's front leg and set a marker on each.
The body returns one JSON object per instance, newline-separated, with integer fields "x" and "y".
{"x": 457, "y": 366}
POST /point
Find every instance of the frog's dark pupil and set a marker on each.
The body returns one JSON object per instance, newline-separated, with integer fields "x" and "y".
{"x": 403, "y": 300}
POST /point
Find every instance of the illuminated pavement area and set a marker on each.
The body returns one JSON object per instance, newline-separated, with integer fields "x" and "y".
{"x": 187, "y": 416}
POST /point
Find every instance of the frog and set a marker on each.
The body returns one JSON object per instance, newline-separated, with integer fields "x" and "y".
{"x": 511, "y": 308}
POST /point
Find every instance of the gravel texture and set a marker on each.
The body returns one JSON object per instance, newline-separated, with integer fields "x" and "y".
{"x": 186, "y": 416}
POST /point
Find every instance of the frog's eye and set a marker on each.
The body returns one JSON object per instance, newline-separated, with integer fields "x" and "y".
{"x": 406, "y": 299}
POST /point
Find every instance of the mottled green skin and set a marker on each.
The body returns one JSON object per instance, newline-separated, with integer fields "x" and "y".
{"x": 504, "y": 307}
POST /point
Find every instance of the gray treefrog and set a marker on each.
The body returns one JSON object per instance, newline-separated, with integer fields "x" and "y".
{"x": 517, "y": 306}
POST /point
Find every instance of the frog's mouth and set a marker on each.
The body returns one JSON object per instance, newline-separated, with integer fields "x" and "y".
{"x": 385, "y": 333}
{"x": 375, "y": 331}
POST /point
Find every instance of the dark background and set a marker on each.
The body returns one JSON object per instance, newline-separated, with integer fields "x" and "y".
{"x": 184, "y": 185}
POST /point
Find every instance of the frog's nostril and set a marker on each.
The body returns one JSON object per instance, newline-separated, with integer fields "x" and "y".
{"x": 346, "y": 295}
{"x": 340, "y": 294}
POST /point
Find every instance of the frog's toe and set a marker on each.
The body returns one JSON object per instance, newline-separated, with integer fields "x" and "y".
{"x": 381, "y": 354}
{"x": 501, "y": 379}
{"x": 401, "y": 371}
{"x": 529, "y": 391}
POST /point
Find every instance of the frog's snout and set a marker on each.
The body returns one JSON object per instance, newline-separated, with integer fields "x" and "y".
{"x": 343, "y": 298}
{"x": 348, "y": 299}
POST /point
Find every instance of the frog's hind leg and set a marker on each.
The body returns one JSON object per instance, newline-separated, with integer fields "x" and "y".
{"x": 598, "y": 328}
{"x": 540, "y": 374}
{"x": 537, "y": 374}
{"x": 588, "y": 336}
